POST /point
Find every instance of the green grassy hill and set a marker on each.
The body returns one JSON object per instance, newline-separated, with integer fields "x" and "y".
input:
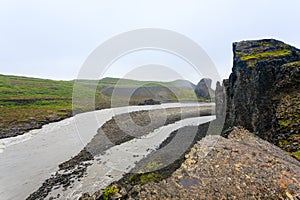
{"x": 17, "y": 87}
{"x": 27, "y": 103}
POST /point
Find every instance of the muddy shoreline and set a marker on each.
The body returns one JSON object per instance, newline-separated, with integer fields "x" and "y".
{"x": 34, "y": 124}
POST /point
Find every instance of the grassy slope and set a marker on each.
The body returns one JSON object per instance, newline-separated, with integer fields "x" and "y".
{"x": 31, "y": 102}
{"x": 25, "y": 101}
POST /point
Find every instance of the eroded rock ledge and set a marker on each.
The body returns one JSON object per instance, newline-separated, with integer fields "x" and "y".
{"x": 240, "y": 167}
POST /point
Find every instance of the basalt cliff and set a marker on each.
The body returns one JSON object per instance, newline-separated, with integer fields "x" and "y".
{"x": 262, "y": 92}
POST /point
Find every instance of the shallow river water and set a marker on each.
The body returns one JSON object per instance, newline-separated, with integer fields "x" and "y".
{"x": 27, "y": 160}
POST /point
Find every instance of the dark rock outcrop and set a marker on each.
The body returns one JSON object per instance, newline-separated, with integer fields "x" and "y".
{"x": 262, "y": 92}
{"x": 203, "y": 89}
{"x": 220, "y": 100}
{"x": 149, "y": 102}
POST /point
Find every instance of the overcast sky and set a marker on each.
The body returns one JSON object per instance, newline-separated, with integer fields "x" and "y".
{"x": 52, "y": 39}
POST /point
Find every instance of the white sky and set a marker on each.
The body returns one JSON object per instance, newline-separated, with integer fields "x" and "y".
{"x": 52, "y": 39}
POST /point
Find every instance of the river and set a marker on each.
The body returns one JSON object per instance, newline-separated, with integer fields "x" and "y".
{"x": 29, "y": 159}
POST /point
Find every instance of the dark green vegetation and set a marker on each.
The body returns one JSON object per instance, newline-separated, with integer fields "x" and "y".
{"x": 108, "y": 192}
{"x": 143, "y": 178}
{"x": 28, "y": 103}
{"x": 296, "y": 155}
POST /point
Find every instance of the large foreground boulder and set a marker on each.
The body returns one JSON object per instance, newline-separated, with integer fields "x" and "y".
{"x": 240, "y": 167}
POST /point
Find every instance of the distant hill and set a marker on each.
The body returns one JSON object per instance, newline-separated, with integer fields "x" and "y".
{"x": 18, "y": 87}
{"x": 108, "y": 81}
{"x": 141, "y": 90}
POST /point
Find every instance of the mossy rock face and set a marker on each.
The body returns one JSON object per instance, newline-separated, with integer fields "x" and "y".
{"x": 288, "y": 113}
{"x": 262, "y": 92}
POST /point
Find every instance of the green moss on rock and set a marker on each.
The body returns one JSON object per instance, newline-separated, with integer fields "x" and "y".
{"x": 143, "y": 178}
{"x": 288, "y": 112}
{"x": 292, "y": 64}
{"x": 264, "y": 55}
{"x": 109, "y": 192}
{"x": 296, "y": 155}
{"x": 288, "y": 116}
{"x": 152, "y": 177}
{"x": 154, "y": 165}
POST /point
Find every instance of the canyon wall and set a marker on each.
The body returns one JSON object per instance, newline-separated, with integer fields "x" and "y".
{"x": 262, "y": 92}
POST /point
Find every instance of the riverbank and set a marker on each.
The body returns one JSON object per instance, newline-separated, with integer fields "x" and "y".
{"x": 29, "y": 103}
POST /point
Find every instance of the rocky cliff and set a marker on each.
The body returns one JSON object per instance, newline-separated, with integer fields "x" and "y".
{"x": 262, "y": 91}
{"x": 203, "y": 89}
